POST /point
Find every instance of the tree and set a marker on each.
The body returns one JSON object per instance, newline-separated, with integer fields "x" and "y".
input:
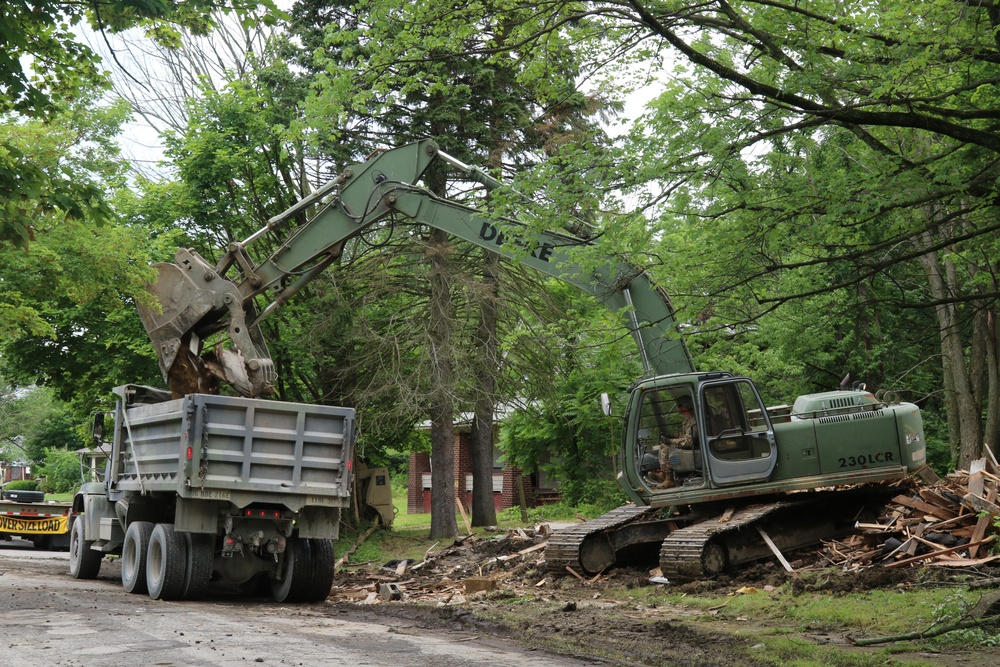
{"x": 390, "y": 71}
{"x": 62, "y": 470}
{"x": 33, "y": 420}
{"x": 66, "y": 298}
{"x": 59, "y": 430}
{"x": 559, "y": 426}
{"x": 908, "y": 97}
{"x": 43, "y": 65}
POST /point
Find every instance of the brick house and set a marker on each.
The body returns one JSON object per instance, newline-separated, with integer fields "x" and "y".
{"x": 538, "y": 488}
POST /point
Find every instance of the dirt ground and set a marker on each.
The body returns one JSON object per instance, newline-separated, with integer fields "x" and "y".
{"x": 49, "y": 619}
{"x": 593, "y": 618}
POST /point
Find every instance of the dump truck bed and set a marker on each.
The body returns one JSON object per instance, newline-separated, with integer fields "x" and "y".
{"x": 232, "y": 448}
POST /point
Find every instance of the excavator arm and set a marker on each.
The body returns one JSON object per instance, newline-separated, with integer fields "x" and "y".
{"x": 197, "y": 299}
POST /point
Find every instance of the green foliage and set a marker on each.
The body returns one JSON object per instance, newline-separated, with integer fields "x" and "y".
{"x": 955, "y": 609}
{"x": 60, "y": 429}
{"x": 21, "y": 485}
{"x": 61, "y": 470}
{"x": 65, "y": 315}
{"x": 44, "y": 68}
{"x": 561, "y": 428}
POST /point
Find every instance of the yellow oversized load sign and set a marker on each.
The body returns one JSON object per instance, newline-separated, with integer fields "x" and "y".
{"x": 55, "y": 525}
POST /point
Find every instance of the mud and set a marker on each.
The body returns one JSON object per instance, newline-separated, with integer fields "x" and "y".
{"x": 596, "y": 619}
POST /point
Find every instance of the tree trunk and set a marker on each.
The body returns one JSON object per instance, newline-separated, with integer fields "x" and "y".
{"x": 991, "y": 434}
{"x": 964, "y": 416}
{"x": 439, "y": 327}
{"x": 483, "y": 511}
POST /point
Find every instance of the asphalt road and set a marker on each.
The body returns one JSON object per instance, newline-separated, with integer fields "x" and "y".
{"x": 48, "y": 618}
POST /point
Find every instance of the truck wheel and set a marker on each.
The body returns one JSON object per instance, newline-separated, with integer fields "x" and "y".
{"x": 323, "y": 560}
{"x": 84, "y": 562}
{"x": 198, "y": 570}
{"x": 166, "y": 563}
{"x": 297, "y": 573}
{"x": 134, "y": 556}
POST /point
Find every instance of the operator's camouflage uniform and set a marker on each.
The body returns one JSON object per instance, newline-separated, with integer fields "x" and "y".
{"x": 685, "y": 440}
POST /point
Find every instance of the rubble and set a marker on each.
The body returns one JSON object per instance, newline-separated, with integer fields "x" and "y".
{"x": 948, "y": 523}
{"x": 471, "y": 567}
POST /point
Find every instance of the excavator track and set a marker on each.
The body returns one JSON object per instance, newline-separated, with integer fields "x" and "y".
{"x": 707, "y": 548}
{"x": 699, "y": 550}
{"x": 585, "y": 547}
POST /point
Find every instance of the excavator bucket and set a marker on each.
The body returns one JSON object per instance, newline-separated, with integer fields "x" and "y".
{"x": 182, "y": 305}
{"x": 194, "y": 302}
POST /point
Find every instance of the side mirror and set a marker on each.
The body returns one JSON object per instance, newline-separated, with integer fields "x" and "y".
{"x": 98, "y": 431}
{"x": 606, "y": 404}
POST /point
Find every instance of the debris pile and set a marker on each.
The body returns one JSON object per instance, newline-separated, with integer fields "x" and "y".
{"x": 470, "y": 566}
{"x": 949, "y": 522}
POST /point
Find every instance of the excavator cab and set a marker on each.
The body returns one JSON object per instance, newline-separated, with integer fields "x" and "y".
{"x": 728, "y": 440}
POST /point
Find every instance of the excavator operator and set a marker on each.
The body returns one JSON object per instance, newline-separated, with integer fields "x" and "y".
{"x": 686, "y": 438}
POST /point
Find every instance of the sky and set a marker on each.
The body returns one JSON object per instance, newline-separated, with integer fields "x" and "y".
{"x": 157, "y": 83}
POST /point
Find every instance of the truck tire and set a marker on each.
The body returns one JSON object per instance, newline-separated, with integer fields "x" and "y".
{"x": 294, "y": 585}
{"x": 134, "y": 550}
{"x": 84, "y": 562}
{"x": 323, "y": 560}
{"x": 198, "y": 570}
{"x": 166, "y": 563}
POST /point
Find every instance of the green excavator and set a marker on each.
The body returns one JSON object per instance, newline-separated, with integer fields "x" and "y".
{"x": 750, "y": 482}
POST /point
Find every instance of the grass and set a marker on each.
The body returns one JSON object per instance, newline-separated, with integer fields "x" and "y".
{"x": 874, "y": 613}
{"x": 409, "y": 536}
{"x": 779, "y": 623}
{"x": 795, "y": 652}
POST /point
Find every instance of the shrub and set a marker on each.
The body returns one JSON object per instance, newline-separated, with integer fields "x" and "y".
{"x": 22, "y": 485}
{"x": 62, "y": 470}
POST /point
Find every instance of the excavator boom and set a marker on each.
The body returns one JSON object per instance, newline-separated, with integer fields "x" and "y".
{"x": 198, "y": 299}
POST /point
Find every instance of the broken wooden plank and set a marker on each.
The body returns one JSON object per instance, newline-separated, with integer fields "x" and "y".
{"x": 980, "y": 504}
{"x": 927, "y": 474}
{"x": 921, "y": 557}
{"x": 935, "y": 498}
{"x": 774, "y": 549}
{"x": 537, "y": 547}
{"x": 979, "y": 531}
{"x": 924, "y": 507}
{"x": 983, "y": 524}
{"x": 479, "y": 584}
{"x": 966, "y": 562}
{"x": 465, "y": 518}
{"x": 873, "y": 527}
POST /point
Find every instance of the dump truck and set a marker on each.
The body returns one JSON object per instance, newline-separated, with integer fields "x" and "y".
{"x": 246, "y": 492}
{"x": 744, "y": 486}
{"x": 27, "y": 515}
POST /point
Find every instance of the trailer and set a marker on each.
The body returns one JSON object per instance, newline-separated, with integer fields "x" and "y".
{"x": 27, "y": 515}
{"x": 217, "y": 488}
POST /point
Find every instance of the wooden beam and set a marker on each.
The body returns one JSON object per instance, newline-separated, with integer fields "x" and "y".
{"x": 774, "y": 549}
{"x": 924, "y": 507}
{"x": 465, "y": 518}
{"x": 980, "y": 504}
{"x": 907, "y": 561}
